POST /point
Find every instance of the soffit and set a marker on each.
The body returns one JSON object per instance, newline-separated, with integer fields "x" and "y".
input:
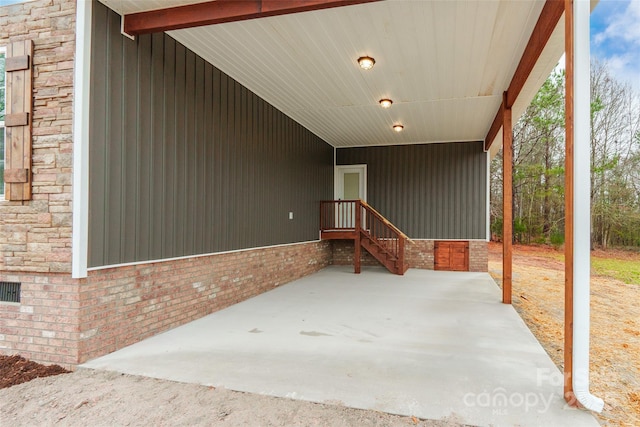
{"x": 125, "y": 7}
{"x": 444, "y": 64}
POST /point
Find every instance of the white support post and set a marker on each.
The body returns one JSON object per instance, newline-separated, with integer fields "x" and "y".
{"x": 582, "y": 208}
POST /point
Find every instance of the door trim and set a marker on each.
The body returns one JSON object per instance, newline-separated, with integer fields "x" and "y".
{"x": 338, "y": 178}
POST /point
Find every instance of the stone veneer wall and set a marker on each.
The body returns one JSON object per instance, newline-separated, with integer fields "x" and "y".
{"x": 419, "y": 254}
{"x": 35, "y": 236}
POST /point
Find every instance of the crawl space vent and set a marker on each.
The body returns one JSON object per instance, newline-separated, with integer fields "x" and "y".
{"x": 9, "y": 292}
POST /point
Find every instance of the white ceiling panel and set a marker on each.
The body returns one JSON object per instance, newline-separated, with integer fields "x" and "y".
{"x": 445, "y": 65}
{"x": 124, "y": 7}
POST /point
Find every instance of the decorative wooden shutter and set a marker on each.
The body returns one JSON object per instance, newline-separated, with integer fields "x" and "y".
{"x": 17, "y": 120}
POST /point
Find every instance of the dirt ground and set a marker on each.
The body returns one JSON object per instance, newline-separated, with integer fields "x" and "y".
{"x": 538, "y": 295}
{"x": 99, "y": 398}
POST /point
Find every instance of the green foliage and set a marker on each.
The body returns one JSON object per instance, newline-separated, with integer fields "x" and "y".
{"x": 624, "y": 270}
{"x": 615, "y": 160}
{"x": 549, "y": 102}
{"x": 496, "y": 227}
{"x": 557, "y": 238}
{"x": 606, "y": 165}
{"x": 596, "y": 106}
{"x": 538, "y": 168}
{"x": 539, "y": 165}
{"x": 540, "y": 240}
{"x": 520, "y": 230}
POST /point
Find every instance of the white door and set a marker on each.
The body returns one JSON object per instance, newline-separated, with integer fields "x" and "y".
{"x": 351, "y": 184}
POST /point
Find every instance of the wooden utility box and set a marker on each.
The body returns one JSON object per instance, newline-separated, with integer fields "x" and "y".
{"x": 451, "y": 256}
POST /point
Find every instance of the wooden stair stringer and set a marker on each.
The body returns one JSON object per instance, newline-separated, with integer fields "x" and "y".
{"x": 384, "y": 257}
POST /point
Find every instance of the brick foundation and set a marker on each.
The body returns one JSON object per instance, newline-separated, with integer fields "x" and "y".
{"x": 419, "y": 254}
{"x": 343, "y": 254}
{"x": 66, "y": 321}
{"x": 44, "y": 326}
{"x": 478, "y": 255}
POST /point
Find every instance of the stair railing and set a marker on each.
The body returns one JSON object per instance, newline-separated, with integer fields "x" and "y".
{"x": 357, "y": 220}
{"x": 338, "y": 215}
{"x": 381, "y": 231}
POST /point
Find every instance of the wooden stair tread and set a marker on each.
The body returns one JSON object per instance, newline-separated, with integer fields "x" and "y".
{"x": 380, "y": 253}
{"x": 358, "y": 221}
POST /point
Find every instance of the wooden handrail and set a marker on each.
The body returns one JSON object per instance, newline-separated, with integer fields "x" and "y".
{"x": 385, "y": 221}
{"x": 356, "y": 219}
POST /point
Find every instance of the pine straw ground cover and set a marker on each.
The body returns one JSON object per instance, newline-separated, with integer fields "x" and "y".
{"x": 17, "y": 370}
{"x": 538, "y": 296}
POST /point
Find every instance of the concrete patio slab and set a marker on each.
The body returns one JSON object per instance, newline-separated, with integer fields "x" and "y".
{"x": 428, "y": 344}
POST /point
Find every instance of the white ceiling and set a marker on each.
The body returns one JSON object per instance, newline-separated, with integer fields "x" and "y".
{"x": 444, "y": 64}
{"x": 125, "y": 7}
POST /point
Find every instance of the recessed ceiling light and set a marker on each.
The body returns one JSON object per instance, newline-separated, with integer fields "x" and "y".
{"x": 398, "y": 128}
{"x": 385, "y": 103}
{"x": 366, "y": 62}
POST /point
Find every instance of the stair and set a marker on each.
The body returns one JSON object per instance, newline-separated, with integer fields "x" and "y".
{"x": 384, "y": 256}
{"x": 355, "y": 219}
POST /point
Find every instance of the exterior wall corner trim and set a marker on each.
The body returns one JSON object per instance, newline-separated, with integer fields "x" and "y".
{"x": 82, "y": 81}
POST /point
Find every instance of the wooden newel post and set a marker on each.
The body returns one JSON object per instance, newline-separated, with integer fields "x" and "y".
{"x": 507, "y": 200}
{"x": 356, "y": 256}
{"x": 568, "y": 204}
{"x": 401, "y": 254}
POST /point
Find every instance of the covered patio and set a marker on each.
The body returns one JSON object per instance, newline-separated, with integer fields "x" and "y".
{"x": 430, "y": 344}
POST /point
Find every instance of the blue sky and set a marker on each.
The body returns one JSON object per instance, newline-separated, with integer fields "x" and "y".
{"x": 615, "y": 38}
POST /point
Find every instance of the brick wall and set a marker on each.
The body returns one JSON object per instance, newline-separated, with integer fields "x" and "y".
{"x": 478, "y": 255}
{"x": 66, "y": 321}
{"x": 120, "y": 306}
{"x": 44, "y": 326}
{"x": 419, "y": 254}
{"x": 35, "y": 236}
{"x": 343, "y": 254}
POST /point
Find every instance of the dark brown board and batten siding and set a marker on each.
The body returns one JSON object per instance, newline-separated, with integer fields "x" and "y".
{"x": 429, "y": 191}
{"x": 184, "y": 160}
